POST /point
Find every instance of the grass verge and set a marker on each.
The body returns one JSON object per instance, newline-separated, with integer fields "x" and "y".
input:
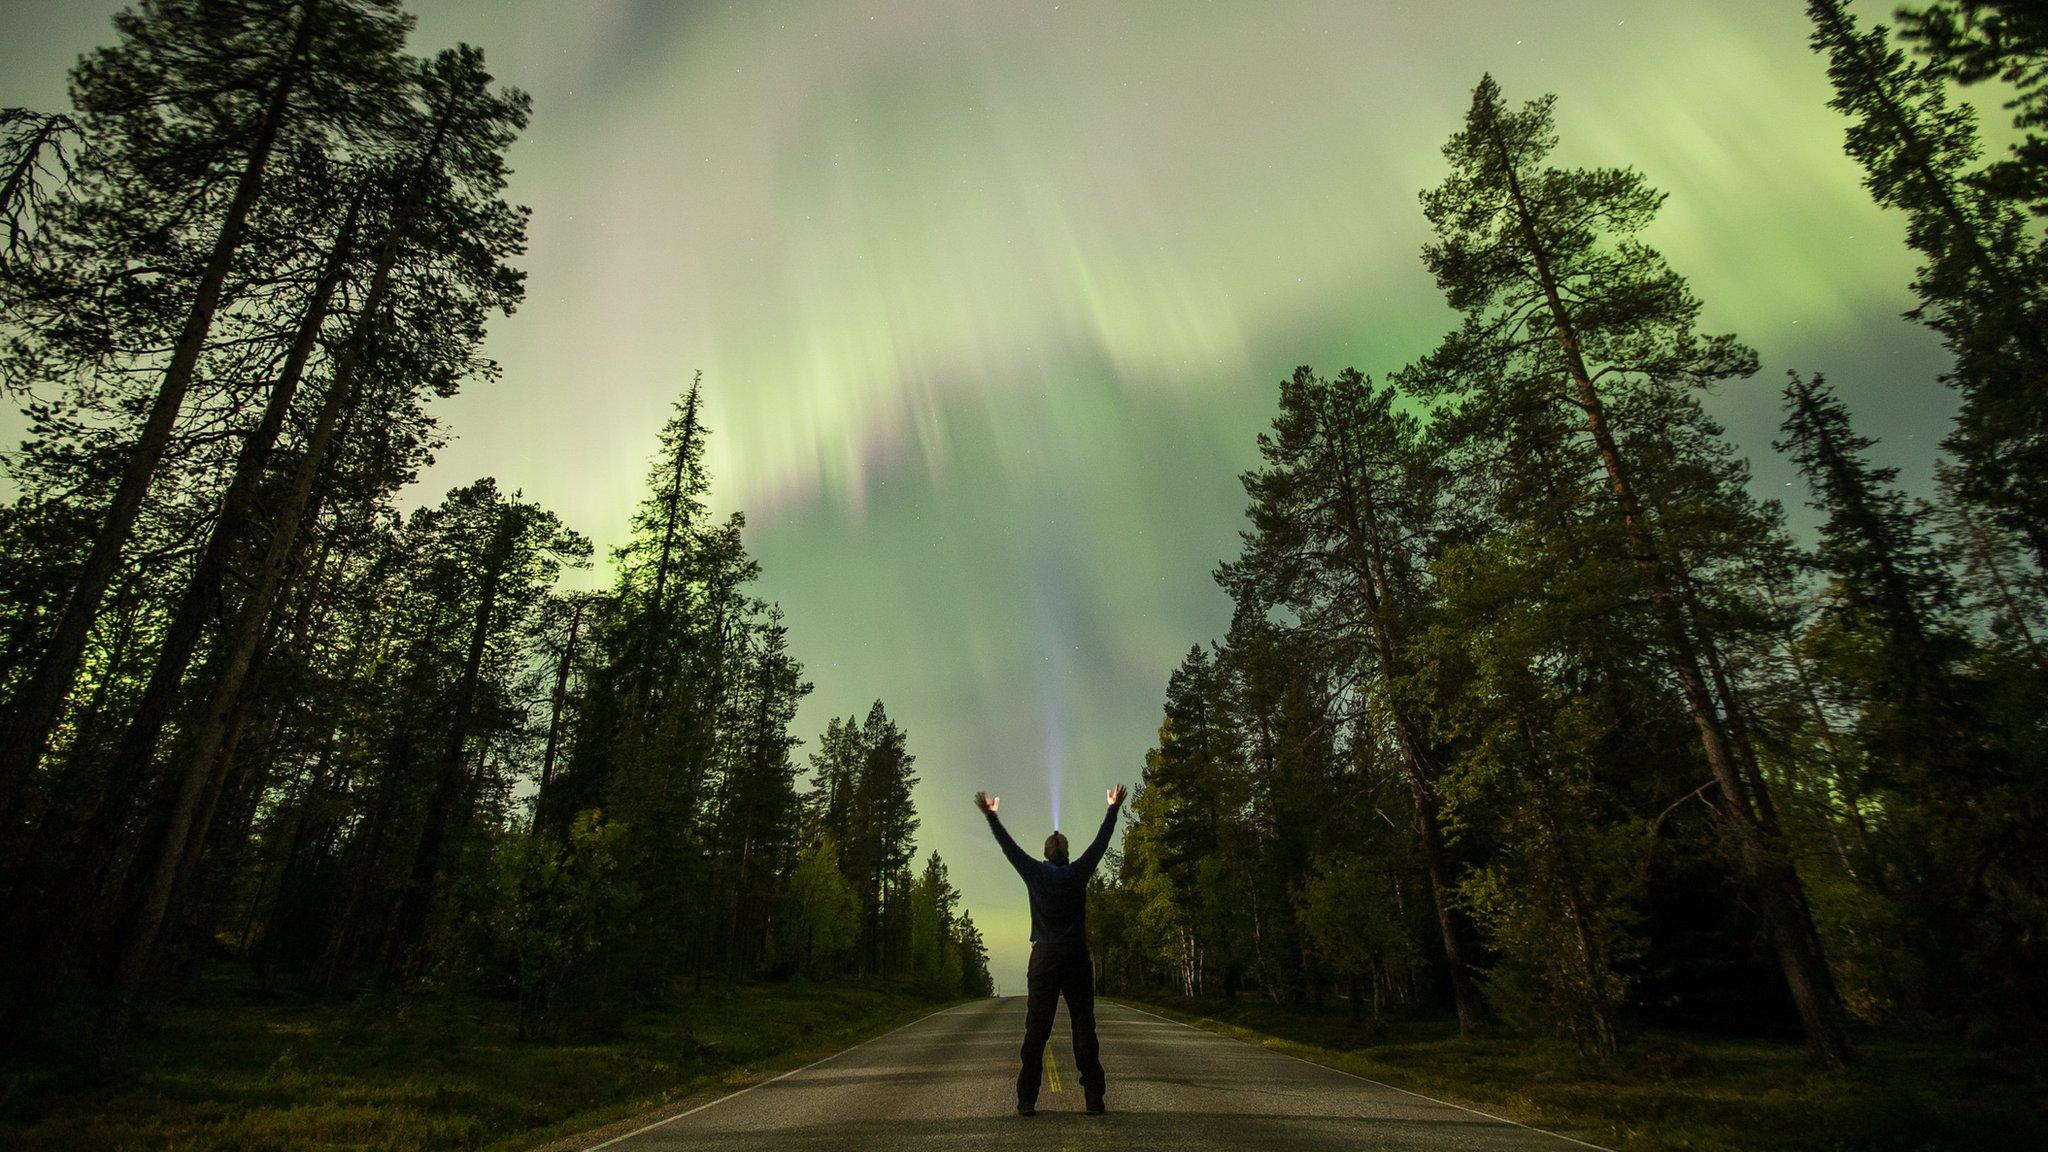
{"x": 1672, "y": 1091}
{"x": 240, "y": 1073}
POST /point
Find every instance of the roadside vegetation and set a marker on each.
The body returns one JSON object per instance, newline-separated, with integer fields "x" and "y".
{"x": 242, "y": 1068}
{"x": 1673, "y": 1090}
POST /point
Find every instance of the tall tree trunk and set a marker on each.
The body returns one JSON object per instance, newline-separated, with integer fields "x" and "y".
{"x": 50, "y": 895}
{"x": 239, "y": 642}
{"x": 1592, "y": 965}
{"x": 1436, "y": 862}
{"x": 1765, "y": 862}
{"x": 191, "y": 922}
{"x": 287, "y": 859}
{"x": 418, "y": 897}
{"x": 343, "y": 936}
{"x": 555, "y": 706}
{"x": 1737, "y": 714}
{"x": 41, "y": 700}
{"x": 232, "y": 524}
{"x": 1369, "y": 564}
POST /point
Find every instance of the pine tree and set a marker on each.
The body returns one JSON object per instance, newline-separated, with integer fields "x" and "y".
{"x": 37, "y": 154}
{"x": 974, "y": 975}
{"x": 455, "y": 178}
{"x": 1565, "y": 310}
{"x": 756, "y": 825}
{"x": 508, "y": 553}
{"x": 1885, "y": 574}
{"x": 883, "y": 820}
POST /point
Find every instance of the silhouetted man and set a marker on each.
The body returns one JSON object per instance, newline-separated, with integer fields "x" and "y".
{"x": 1059, "y": 951}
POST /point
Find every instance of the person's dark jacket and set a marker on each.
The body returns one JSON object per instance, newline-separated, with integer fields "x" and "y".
{"x": 1059, "y": 892}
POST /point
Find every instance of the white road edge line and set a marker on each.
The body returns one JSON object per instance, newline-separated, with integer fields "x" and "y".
{"x": 1368, "y": 1079}
{"x": 763, "y": 1084}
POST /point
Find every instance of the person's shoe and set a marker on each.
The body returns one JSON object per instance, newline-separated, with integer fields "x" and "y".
{"x": 1095, "y": 1107}
{"x": 1024, "y": 1109}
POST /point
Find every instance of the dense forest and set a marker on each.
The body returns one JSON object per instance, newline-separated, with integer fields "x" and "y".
{"x": 1532, "y": 710}
{"x": 267, "y": 709}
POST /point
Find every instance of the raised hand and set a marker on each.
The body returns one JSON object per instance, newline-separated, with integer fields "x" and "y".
{"x": 1116, "y": 795}
{"x": 986, "y": 802}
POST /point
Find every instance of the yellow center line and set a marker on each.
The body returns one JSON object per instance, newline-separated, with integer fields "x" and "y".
{"x": 1052, "y": 1068}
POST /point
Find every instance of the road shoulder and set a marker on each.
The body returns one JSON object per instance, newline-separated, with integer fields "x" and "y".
{"x": 617, "y": 1131}
{"x": 1324, "y": 1058}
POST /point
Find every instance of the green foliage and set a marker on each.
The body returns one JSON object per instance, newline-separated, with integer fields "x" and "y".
{"x": 823, "y": 920}
{"x": 552, "y": 909}
{"x": 1946, "y": 851}
{"x": 246, "y": 1068}
{"x": 1351, "y": 910}
{"x": 1676, "y": 1090}
{"x": 1974, "y": 41}
{"x": 1529, "y": 602}
{"x": 1983, "y": 284}
{"x": 862, "y": 771}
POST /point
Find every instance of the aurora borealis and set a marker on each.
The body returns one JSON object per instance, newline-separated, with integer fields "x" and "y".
{"x": 991, "y": 299}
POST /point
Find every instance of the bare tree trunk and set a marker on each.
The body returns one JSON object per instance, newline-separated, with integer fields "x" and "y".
{"x": 1436, "y": 862}
{"x": 1737, "y": 715}
{"x": 370, "y": 832}
{"x": 36, "y": 709}
{"x": 282, "y": 870}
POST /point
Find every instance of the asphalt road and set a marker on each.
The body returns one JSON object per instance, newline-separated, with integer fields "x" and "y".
{"x": 948, "y": 1080}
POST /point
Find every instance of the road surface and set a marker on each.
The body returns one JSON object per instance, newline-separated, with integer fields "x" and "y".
{"x": 948, "y": 1081}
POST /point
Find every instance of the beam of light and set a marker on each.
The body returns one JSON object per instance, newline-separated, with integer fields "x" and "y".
{"x": 1053, "y": 613}
{"x": 1052, "y": 719}
{"x": 1055, "y": 756}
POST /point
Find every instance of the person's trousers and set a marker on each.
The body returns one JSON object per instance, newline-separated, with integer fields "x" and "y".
{"x": 1059, "y": 970}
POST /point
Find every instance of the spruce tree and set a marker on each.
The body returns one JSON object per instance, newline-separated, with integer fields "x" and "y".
{"x": 1984, "y": 283}
{"x": 883, "y": 819}
{"x": 1886, "y": 575}
{"x": 1960, "y": 817}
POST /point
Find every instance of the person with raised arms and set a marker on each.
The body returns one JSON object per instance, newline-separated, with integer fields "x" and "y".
{"x": 1060, "y": 964}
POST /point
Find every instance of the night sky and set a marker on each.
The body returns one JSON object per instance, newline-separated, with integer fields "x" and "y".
{"x": 991, "y": 299}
